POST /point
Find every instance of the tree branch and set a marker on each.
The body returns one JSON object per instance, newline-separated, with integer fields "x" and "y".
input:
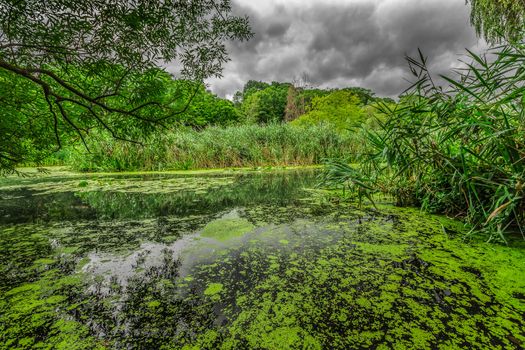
{"x": 27, "y": 73}
{"x": 55, "y": 118}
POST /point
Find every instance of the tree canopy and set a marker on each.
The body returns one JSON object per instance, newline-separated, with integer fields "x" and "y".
{"x": 265, "y": 103}
{"x": 499, "y": 19}
{"x": 135, "y": 34}
{"x": 341, "y": 109}
{"x": 70, "y": 66}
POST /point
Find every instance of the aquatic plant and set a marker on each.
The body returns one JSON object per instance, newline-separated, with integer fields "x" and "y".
{"x": 459, "y": 150}
{"x": 266, "y": 268}
{"x": 129, "y": 197}
{"x": 216, "y": 147}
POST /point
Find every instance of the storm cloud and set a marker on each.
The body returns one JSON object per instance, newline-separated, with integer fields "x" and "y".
{"x": 340, "y": 43}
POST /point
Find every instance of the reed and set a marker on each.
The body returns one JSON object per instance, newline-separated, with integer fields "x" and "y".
{"x": 458, "y": 150}
{"x": 216, "y": 147}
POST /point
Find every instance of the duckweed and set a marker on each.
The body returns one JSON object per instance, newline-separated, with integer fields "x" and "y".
{"x": 226, "y": 229}
{"x": 213, "y": 289}
{"x": 251, "y": 270}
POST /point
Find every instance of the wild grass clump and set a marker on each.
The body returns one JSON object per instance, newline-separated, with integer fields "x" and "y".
{"x": 217, "y": 147}
{"x": 459, "y": 150}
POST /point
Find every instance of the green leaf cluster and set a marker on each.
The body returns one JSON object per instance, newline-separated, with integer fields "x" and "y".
{"x": 340, "y": 109}
{"x": 499, "y": 20}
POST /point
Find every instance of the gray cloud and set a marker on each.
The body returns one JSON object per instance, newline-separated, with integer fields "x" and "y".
{"x": 346, "y": 43}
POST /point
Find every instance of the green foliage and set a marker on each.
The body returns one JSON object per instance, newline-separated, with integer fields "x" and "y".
{"x": 341, "y": 109}
{"x": 261, "y": 102}
{"x": 309, "y": 94}
{"x": 499, "y": 19}
{"x": 253, "y": 86}
{"x": 30, "y": 137}
{"x": 216, "y": 147}
{"x": 299, "y": 100}
{"x": 265, "y": 105}
{"x": 459, "y": 151}
{"x": 366, "y": 96}
{"x": 21, "y": 126}
{"x": 207, "y": 109}
{"x": 136, "y": 35}
{"x": 34, "y": 126}
{"x": 92, "y": 64}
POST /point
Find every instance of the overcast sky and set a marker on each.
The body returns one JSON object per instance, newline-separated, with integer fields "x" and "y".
{"x": 340, "y": 43}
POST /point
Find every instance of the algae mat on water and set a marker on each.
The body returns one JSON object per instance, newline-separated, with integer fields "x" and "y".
{"x": 225, "y": 229}
{"x": 301, "y": 274}
{"x": 377, "y": 282}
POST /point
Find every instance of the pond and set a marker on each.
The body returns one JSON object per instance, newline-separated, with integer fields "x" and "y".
{"x": 242, "y": 260}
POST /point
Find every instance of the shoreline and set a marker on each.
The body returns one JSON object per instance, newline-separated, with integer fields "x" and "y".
{"x": 54, "y": 171}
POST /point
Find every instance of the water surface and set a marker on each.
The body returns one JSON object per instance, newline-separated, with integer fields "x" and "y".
{"x": 236, "y": 260}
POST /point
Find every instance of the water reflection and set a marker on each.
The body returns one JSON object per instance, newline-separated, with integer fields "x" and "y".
{"x": 132, "y": 197}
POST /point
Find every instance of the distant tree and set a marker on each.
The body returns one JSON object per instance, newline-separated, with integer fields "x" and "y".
{"x": 294, "y": 104}
{"x": 266, "y": 105}
{"x": 207, "y": 109}
{"x": 496, "y": 20}
{"x": 308, "y": 95}
{"x": 237, "y": 99}
{"x": 341, "y": 109}
{"x": 261, "y": 102}
{"x": 252, "y": 86}
{"x": 366, "y": 96}
{"x": 91, "y": 63}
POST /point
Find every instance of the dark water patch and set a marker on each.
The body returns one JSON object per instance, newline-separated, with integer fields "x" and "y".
{"x": 472, "y": 270}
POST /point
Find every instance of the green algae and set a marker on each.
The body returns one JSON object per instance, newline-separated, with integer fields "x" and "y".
{"x": 361, "y": 294}
{"x": 135, "y": 184}
{"x": 31, "y": 174}
{"x": 383, "y": 249}
{"x": 213, "y": 289}
{"x": 269, "y": 274}
{"x": 227, "y": 229}
{"x": 147, "y": 196}
{"x": 41, "y": 307}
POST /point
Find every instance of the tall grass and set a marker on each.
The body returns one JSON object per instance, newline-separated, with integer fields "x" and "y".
{"x": 458, "y": 150}
{"x": 216, "y": 147}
